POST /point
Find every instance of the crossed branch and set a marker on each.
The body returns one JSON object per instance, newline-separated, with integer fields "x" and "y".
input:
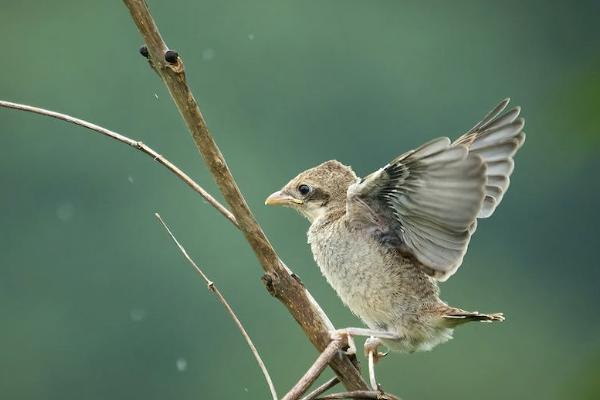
{"x": 278, "y": 278}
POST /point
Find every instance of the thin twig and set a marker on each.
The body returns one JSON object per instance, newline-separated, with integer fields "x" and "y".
{"x": 360, "y": 394}
{"x": 215, "y": 290}
{"x": 279, "y": 281}
{"x": 133, "y": 143}
{"x": 332, "y": 349}
{"x": 321, "y": 389}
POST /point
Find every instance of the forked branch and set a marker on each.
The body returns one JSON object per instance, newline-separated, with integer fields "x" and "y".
{"x": 280, "y": 282}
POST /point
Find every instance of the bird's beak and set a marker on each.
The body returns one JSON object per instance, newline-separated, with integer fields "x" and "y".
{"x": 281, "y": 198}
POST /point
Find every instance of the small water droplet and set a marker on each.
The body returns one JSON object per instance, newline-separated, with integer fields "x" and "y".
{"x": 137, "y": 314}
{"x": 181, "y": 364}
{"x": 130, "y": 179}
{"x": 251, "y": 36}
{"x": 208, "y": 54}
{"x": 65, "y": 211}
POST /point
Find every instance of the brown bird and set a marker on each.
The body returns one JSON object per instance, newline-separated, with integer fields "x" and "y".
{"x": 384, "y": 241}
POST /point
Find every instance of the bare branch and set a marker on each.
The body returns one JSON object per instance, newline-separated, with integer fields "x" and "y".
{"x": 315, "y": 370}
{"x": 321, "y": 389}
{"x": 360, "y": 394}
{"x": 133, "y": 143}
{"x": 217, "y": 293}
{"x": 279, "y": 281}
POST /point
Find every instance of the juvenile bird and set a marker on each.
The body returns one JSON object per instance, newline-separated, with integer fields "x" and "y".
{"x": 384, "y": 241}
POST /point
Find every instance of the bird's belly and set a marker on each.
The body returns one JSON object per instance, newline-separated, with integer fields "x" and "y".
{"x": 387, "y": 291}
{"x": 361, "y": 274}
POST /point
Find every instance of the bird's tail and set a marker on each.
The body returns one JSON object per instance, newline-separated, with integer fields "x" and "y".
{"x": 455, "y": 316}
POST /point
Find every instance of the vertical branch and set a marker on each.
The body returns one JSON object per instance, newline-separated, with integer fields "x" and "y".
{"x": 279, "y": 281}
{"x": 173, "y": 75}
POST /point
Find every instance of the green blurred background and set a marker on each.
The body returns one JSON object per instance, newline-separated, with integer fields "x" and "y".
{"x": 95, "y": 301}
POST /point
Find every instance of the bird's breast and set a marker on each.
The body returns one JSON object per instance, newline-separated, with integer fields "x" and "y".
{"x": 364, "y": 274}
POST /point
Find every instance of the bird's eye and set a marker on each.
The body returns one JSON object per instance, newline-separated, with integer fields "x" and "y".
{"x": 304, "y": 189}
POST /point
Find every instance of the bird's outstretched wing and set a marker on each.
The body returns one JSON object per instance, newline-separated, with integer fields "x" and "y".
{"x": 496, "y": 138}
{"x": 427, "y": 200}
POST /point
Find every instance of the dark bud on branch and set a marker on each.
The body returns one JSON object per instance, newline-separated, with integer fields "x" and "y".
{"x": 171, "y": 56}
{"x": 144, "y": 51}
{"x": 267, "y": 280}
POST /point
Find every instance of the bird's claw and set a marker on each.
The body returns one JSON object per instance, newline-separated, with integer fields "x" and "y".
{"x": 371, "y": 346}
{"x": 344, "y": 336}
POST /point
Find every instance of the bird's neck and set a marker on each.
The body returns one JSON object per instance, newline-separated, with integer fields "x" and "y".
{"x": 329, "y": 214}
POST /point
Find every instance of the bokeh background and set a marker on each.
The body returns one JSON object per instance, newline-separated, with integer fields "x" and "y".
{"x": 96, "y": 302}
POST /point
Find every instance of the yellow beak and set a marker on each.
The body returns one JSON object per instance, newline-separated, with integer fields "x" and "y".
{"x": 281, "y": 198}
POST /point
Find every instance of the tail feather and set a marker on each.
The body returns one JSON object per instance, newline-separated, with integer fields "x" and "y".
{"x": 456, "y": 317}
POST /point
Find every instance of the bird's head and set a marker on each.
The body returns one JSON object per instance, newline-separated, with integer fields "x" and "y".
{"x": 316, "y": 191}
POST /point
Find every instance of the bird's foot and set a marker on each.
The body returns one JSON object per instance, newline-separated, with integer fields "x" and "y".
{"x": 371, "y": 346}
{"x": 345, "y": 336}
{"x": 348, "y": 333}
{"x": 373, "y": 355}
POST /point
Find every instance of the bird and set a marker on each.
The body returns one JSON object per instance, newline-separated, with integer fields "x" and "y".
{"x": 385, "y": 241}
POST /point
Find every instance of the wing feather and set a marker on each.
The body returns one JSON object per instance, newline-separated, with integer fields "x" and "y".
{"x": 433, "y": 195}
{"x": 496, "y": 140}
{"x": 430, "y": 197}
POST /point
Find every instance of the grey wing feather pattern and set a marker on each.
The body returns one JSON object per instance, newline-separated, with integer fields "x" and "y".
{"x": 496, "y": 139}
{"x": 430, "y": 198}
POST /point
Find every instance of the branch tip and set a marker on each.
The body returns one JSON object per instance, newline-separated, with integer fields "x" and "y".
{"x": 133, "y": 143}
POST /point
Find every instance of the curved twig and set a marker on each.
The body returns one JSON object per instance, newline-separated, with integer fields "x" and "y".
{"x": 133, "y": 143}
{"x": 217, "y": 293}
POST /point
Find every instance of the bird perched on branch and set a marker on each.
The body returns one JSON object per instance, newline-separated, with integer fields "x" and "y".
{"x": 384, "y": 241}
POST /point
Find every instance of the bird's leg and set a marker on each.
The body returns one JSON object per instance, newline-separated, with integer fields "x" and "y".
{"x": 342, "y": 334}
{"x": 373, "y": 355}
{"x": 367, "y": 333}
{"x": 371, "y": 346}
{"x": 348, "y": 333}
